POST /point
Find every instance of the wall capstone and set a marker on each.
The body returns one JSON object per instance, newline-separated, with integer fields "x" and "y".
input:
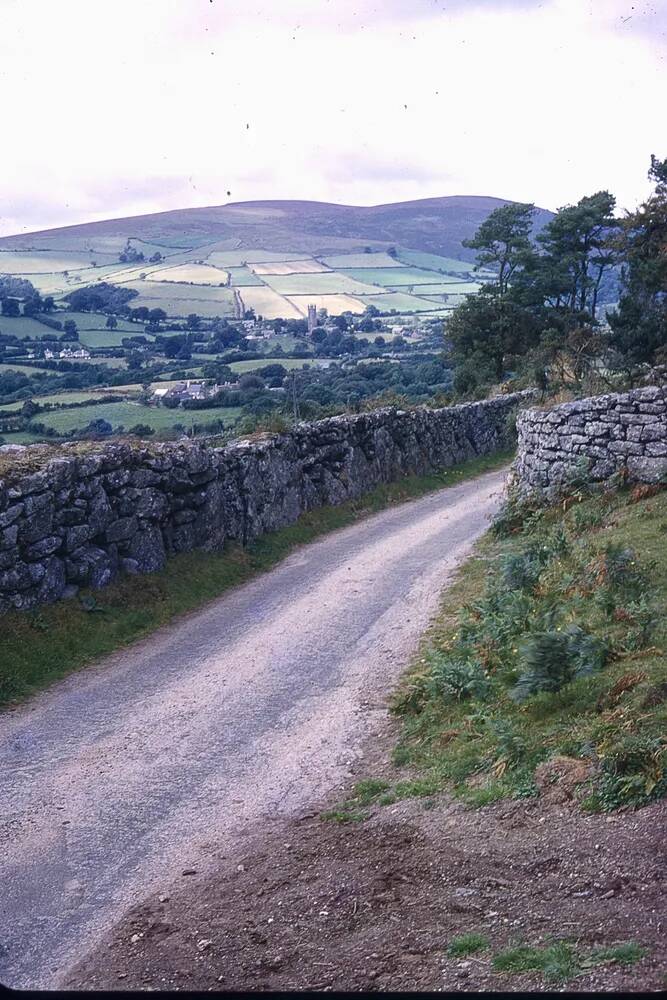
{"x": 82, "y": 519}
{"x": 608, "y": 433}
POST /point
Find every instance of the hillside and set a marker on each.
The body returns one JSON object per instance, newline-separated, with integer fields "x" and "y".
{"x": 435, "y": 225}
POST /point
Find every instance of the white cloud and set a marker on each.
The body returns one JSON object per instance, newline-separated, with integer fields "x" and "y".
{"x": 117, "y": 108}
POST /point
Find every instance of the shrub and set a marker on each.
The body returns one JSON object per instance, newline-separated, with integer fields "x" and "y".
{"x": 552, "y": 658}
{"x": 454, "y": 679}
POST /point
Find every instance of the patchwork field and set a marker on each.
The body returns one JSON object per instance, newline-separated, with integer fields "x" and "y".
{"x": 199, "y": 276}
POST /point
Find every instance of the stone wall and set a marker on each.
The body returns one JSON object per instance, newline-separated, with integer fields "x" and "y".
{"x": 607, "y": 433}
{"x": 82, "y": 518}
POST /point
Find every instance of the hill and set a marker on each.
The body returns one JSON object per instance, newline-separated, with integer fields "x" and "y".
{"x": 435, "y": 225}
{"x": 272, "y": 257}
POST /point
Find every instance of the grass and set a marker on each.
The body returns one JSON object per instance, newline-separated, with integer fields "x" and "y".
{"x": 561, "y": 961}
{"x": 128, "y": 413}
{"x": 576, "y": 591}
{"x": 467, "y": 944}
{"x": 36, "y": 648}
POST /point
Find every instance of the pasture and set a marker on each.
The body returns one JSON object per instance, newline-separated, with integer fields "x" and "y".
{"x": 97, "y": 321}
{"x": 237, "y": 258}
{"x": 388, "y": 277}
{"x": 400, "y": 301}
{"x": 327, "y": 283}
{"x": 128, "y": 413}
{"x": 306, "y": 266}
{"x": 24, "y": 327}
{"x": 242, "y": 276}
{"x": 181, "y": 300}
{"x": 433, "y": 262}
{"x": 347, "y": 260}
{"x": 197, "y": 274}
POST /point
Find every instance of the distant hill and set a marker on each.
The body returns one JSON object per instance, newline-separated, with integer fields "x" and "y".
{"x": 434, "y": 225}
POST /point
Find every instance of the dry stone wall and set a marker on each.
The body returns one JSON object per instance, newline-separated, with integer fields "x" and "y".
{"x": 81, "y": 519}
{"x": 605, "y": 434}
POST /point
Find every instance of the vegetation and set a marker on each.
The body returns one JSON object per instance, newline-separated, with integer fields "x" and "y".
{"x": 539, "y": 317}
{"x": 38, "y": 647}
{"x": 561, "y": 961}
{"x": 550, "y": 648}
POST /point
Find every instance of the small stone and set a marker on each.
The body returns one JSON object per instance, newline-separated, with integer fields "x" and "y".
{"x": 189, "y": 871}
{"x": 135, "y": 938}
{"x": 163, "y": 899}
{"x": 204, "y": 944}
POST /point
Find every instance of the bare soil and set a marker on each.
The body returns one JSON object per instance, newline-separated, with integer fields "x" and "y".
{"x": 310, "y": 903}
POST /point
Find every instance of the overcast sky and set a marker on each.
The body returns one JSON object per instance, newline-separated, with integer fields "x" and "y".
{"x": 120, "y": 107}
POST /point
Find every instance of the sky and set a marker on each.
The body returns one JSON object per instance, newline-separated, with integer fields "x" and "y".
{"x": 121, "y": 107}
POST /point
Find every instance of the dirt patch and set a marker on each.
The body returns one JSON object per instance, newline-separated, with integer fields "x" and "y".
{"x": 314, "y": 904}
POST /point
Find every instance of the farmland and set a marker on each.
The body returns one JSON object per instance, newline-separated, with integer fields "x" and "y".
{"x": 196, "y": 274}
{"x": 127, "y": 414}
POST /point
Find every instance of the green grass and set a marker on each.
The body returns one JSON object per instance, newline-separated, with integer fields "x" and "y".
{"x": 433, "y": 262}
{"x": 467, "y": 944}
{"x": 391, "y": 276}
{"x": 128, "y": 413}
{"x": 38, "y": 647}
{"x": 561, "y": 961}
{"x": 468, "y": 724}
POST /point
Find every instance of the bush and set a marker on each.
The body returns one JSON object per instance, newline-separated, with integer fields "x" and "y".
{"x": 552, "y": 658}
{"x": 457, "y": 679}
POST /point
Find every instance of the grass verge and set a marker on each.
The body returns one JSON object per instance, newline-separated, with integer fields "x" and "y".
{"x": 546, "y": 665}
{"x": 36, "y": 648}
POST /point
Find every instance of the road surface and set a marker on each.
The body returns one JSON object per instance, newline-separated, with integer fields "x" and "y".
{"x": 123, "y": 775}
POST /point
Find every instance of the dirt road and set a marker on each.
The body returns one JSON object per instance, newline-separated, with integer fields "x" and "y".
{"x": 252, "y": 709}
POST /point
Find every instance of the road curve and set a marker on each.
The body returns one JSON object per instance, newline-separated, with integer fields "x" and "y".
{"x": 120, "y": 776}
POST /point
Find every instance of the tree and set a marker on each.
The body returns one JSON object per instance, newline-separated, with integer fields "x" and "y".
{"x": 490, "y": 331}
{"x": 10, "y": 307}
{"x": 69, "y": 326}
{"x": 48, "y": 304}
{"x": 639, "y": 325}
{"x": 193, "y": 322}
{"x": 111, "y": 323}
{"x": 503, "y": 240}
{"x": 577, "y": 252}
{"x": 156, "y": 315}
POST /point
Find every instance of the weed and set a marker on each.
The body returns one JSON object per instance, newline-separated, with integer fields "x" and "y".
{"x": 624, "y": 954}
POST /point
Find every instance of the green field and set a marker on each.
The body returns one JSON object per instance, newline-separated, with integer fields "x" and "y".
{"x": 364, "y": 260}
{"x": 24, "y": 327}
{"x": 181, "y": 300}
{"x": 323, "y": 283}
{"x": 128, "y": 414}
{"x": 433, "y": 262}
{"x": 396, "y": 276}
{"x": 97, "y": 321}
{"x": 400, "y": 301}
{"x": 242, "y": 276}
{"x": 236, "y": 258}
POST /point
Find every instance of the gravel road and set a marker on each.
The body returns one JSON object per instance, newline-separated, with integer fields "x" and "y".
{"x": 123, "y": 776}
